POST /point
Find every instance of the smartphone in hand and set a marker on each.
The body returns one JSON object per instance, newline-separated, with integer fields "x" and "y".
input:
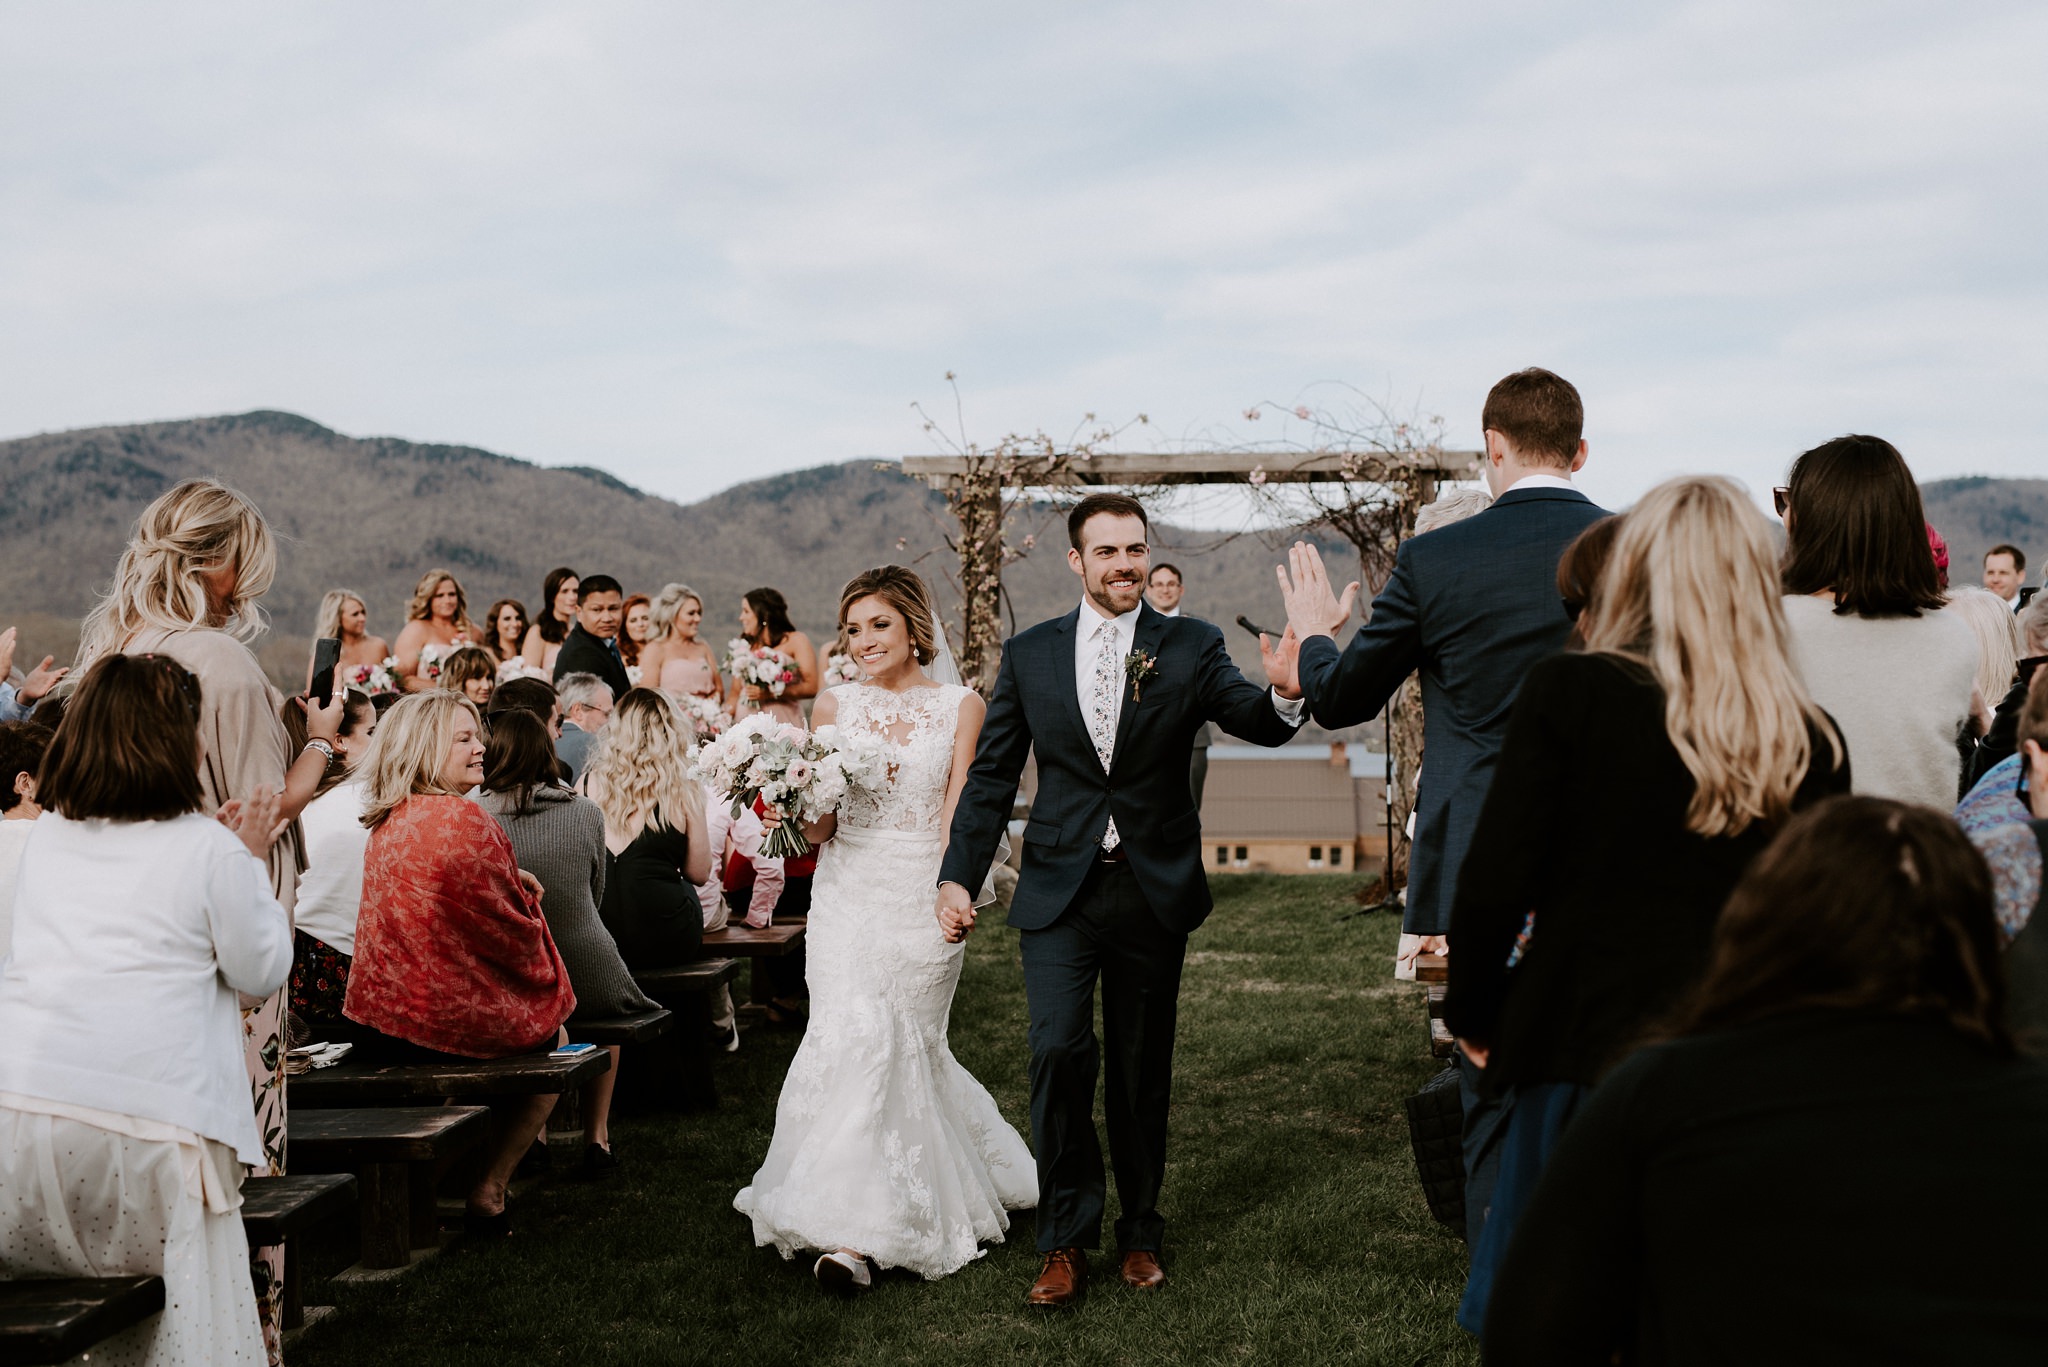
{"x": 326, "y": 658}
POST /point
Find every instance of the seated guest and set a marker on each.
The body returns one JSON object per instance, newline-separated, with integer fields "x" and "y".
{"x": 653, "y": 830}
{"x": 331, "y": 885}
{"x": 559, "y": 839}
{"x": 22, "y": 744}
{"x": 472, "y": 672}
{"x": 125, "y": 1115}
{"x": 1637, "y": 780}
{"x": 17, "y": 701}
{"x": 1835, "y": 1157}
{"x": 453, "y": 957}
{"x": 586, "y": 703}
{"x": 529, "y": 694}
{"x": 592, "y": 646}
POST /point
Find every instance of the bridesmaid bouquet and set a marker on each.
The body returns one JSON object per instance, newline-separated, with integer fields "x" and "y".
{"x": 432, "y": 657}
{"x": 804, "y": 774}
{"x": 705, "y": 716}
{"x": 373, "y": 679}
{"x": 840, "y": 669}
{"x": 762, "y": 666}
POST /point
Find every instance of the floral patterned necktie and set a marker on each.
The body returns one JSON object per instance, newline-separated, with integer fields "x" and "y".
{"x": 1106, "y": 694}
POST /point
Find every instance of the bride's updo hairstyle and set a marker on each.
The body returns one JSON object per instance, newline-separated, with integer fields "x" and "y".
{"x": 193, "y": 530}
{"x": 903, "y": 590}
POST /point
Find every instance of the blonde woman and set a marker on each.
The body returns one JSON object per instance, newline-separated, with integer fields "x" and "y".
{"x": 1999, "y": 648}
{"x": 1637, "y": 781}
{"x": 674, "y": 660}
{"x": 438, "y": 617}
{"x": 187, "y": 587}
{"x": 654, "y": 835}
{"x": 343, "y": 616}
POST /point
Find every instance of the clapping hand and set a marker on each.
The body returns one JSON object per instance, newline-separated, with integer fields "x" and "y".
{"x": 956, "y": 912}
{"x": 255, "y": 820}
{"x": 37, "y": 681}
{"x": 1313, "y": 607}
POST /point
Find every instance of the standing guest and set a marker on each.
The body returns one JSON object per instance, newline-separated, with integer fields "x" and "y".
{"x": 472, "y": 672}
{"x": 22, "y": 744}
{"x": 331, "y": 888}
{"x": 653, "y": 830}
{"x": 344, "y": 618}
{"x": 17, "y": 701}
{"x": 1164, "y": 590}
{"x": 438, "y": 617}
{"x": 187, "y": 587}
{"x": 558, "y": 613}
{"x": 1939, "y": 549}
{"x": 2000, "y": 644}
{"x": 453, "y": 956}
{"x": 125, "y": 1125}
{"x": 1836, "y": 1157}
{"x": 592, "y": 646}
{"x": 586, "y": 709}
{"x": 636, "y": 627}
{"x": 764, "y": 621}
{"x": 675, "y": 660}
{"x": 559, "y": 839}
{"x": 1579, "y": 571}
{"x": 1861, "y": 597}
{"x": 2005, "y": 573}
{"x": 504, "y": 633}
{"x": 1625, "y": 849}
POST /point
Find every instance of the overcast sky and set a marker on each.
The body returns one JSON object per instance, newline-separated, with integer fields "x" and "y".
{"x": 696, "y": 244}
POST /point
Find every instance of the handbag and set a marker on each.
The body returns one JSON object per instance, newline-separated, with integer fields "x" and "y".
{"x": 1436, "y": 1132}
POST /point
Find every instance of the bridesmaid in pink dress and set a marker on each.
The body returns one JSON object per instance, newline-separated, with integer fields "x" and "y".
{"x": 764, "y": 620}
{"x": 674, "y": 659}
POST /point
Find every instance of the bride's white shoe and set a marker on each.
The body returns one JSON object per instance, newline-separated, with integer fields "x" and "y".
{"x": 843, "y": 1274}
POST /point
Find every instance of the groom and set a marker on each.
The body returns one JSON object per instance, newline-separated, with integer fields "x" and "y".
{"x": 1110, "y": 697}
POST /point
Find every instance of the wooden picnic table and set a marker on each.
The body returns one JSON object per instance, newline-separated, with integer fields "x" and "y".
{"x": 359, "y": 1084}
{"x": 738, "y": 940}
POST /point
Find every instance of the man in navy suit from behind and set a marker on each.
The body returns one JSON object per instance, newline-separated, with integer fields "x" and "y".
{"x": 1471, "y": 607}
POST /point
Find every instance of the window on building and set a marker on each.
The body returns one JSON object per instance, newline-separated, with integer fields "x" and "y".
{"x": 1315, "y": 856}
{"x": 1243, "y": 858}
{"x": 1336, "y": 856}
{"x": 1222, "y": 856}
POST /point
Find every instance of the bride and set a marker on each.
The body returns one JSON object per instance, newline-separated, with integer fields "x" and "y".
{"x": 886, "y": 1151}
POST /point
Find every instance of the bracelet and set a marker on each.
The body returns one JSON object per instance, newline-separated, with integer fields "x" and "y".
{"x": 319, "y": 744}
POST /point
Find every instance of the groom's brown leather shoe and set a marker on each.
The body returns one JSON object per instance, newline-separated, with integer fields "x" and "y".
{"x": 1061, "y": 1281}
{"x": 1142, "y": 1271}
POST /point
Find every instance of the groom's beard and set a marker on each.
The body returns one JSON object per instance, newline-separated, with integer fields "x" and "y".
{"x": 1117, "y": 591}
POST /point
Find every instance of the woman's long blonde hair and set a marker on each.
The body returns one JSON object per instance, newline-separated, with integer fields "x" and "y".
{"x": 1999, "y": 643}
{"x": 661, "y": 614}
{"x": 409, "y": 749}
{"x": 1691, "y": 593}
{"x": 421, "y": 608}
{"x": 198, "y": 527}
{"x": 330, "y": 612}
{"x": 640, "y": 775}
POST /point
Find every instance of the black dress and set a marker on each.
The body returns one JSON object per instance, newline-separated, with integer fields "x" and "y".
{"x": 649, "y": 904}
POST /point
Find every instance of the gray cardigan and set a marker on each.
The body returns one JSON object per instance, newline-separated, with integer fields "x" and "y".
{"x": 560, "y": 840}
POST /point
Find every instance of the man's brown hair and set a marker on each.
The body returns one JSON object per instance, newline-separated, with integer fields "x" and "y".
{"x": 129, "y": 746}
{"x": 1116, "y": 505}
{"x": 1539, "y": 413}
{"x": 2019, "y": 557}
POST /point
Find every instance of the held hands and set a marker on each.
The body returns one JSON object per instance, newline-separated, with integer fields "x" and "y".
{"x": 1313, "y": 607}
{"x": 255, "y": 820}
{"x": 956, "y": 912}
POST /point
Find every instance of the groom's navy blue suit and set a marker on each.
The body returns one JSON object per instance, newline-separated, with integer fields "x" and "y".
{"x": 1082, "y": 916}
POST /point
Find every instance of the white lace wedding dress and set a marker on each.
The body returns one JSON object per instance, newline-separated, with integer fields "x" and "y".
{"x": 883, "y": 1143}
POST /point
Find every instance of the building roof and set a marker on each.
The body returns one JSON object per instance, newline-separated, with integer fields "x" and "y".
{"x": 1304, "y": 798}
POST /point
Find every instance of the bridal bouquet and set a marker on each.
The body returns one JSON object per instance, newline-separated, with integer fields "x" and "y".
{"x": 763, "y": 666}
{"x": 840, "y": 669}
{"x": 804, "y": 774}
{"x": 373, "y": 679}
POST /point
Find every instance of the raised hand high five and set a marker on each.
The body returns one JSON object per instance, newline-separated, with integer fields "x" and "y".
{"x": 1313, "y": 608}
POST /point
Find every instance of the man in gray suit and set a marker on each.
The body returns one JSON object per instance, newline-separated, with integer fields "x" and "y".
{"x": 586, "y": 710}
{"x": 1163, "y": 591}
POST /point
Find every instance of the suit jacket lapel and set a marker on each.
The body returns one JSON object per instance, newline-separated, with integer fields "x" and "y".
{"x": 1064, "y": 682}
{"x": 1150, "y": 632}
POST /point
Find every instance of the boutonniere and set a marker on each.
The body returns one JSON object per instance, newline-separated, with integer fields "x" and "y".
{"x": 1139, "y": 666}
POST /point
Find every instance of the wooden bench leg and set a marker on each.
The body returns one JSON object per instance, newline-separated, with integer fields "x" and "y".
{"x": 423, "y": 1220}
{"x": 294, "y": 1293}
{"x": 384, "y": 1195}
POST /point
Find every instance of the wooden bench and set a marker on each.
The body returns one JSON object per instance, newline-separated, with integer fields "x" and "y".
{"x": 1432, "y": 968}
{"x": 55, "y": 1320}
{"x": 1441, "y": 1044}
{"x": 397, "y": 1155}
{"x": 687, "y": 1055}
{"x": 369, "y": 1084}
{"x": 739, "y": 940}
{"x": 637, "y": 1028}
{"x": 287, "y": 1210}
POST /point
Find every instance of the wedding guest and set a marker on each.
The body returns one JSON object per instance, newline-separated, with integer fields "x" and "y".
{"x": 472, "y": 672}
{"x": 188, "y": 586}
{"x": 1452, "y": 504}
{"x": 586, "y": 709}
{"x": 654, "y": 832}
{"x": 1862, "y": 600}
{"x": 634, "y": 630}
{"x": 453, "y": 956}
{"x": 1998, "y": 741}
{"x": 557, "y": 614}
{"x": 559, "y": 839}
{"x": 675, "y": 660}
{"x": 1625, "y": 849}
{"x": 764, "y": 621}
{"x": 592, "y": 646}
{"x": 2005, "y": 573}
{"x": 438, "y": 617}
{"x": 343, "y": 617}
{"x": 742, "y": 879}
{"x": 22, "y": 744}
{"x": 19, "y": 701}
{"x": 529, "y": 694}
{"x": 1164, "y": 589}
{"x": 1939, "y": 549}
{"x": 1579, "y": 571}
{"x": 2025, "y": 933}
{"x": 125, "y": 1124}
{"x": 504, "y": 633}
{"x": 2000, "y": 644}
{"x": 1835, "y": 1157}
{"x": 331, "y": 888}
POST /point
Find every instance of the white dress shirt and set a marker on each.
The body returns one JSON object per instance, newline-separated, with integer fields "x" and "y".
{"x": 1088, "y": 645}
{"x": 1539, "y": 482}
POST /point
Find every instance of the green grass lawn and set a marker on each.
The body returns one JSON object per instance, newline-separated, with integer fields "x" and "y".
{"x": 1296, "y": 1230}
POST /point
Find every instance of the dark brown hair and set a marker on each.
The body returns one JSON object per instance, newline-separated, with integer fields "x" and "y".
{"x": 361, "y": 710}
{"x": 490, "y": 625}
{"x": 1578, "y": 570}
{"x": 1171, "y": 569}
{"x": 771, "y": 615}
{"x": 129, "y": 746}
{"x": 552, "y": 628}
{"x": 1115, "y": 505}
{"x": 1540, "y": 414}
{"x": 470, "y": 662}
{"x": 520, "y": 757}
{"x": 2019, "y": 557}
{"x": 22, "y": 744}
{"x": 1861, "y": 904}
{"x": 1853, "y": 523}
{"x": 902, "y": 590}
{"x": 524, "y": 694}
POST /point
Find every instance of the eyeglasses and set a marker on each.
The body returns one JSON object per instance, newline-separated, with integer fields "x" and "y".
{"x": 1781, "y": 497}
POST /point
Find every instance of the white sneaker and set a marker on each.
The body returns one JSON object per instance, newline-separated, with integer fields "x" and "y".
{"x": 843, "y": 1274}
